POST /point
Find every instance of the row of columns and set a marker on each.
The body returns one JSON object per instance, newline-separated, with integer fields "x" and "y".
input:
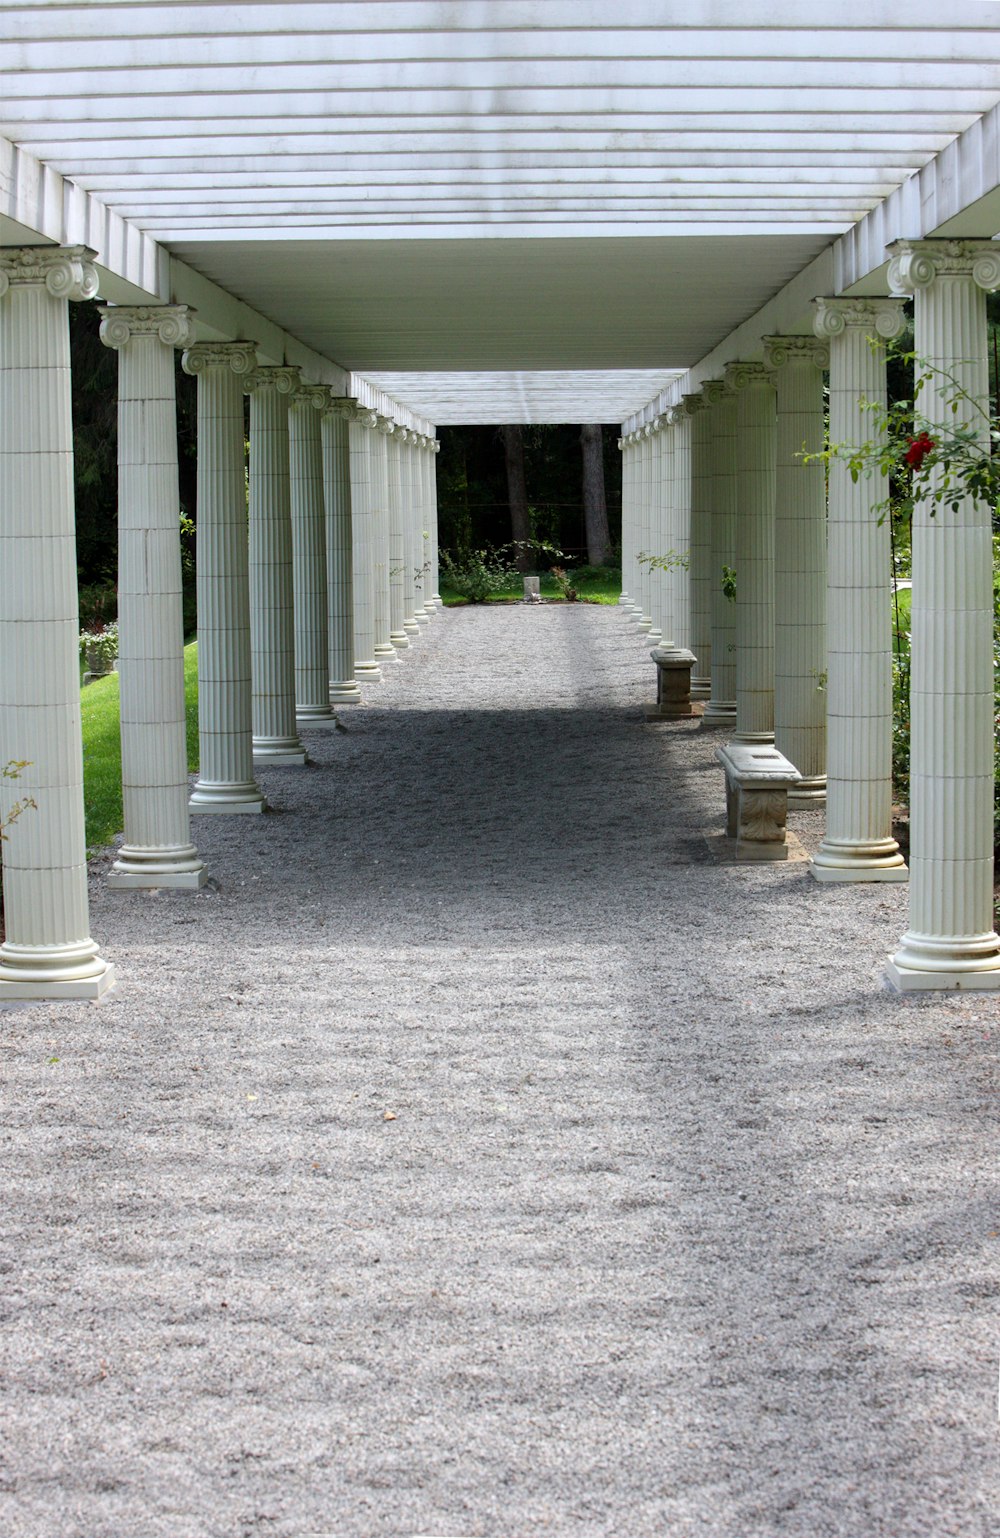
{"x": 314, "y": 582}
{"x": 800, "y": 655}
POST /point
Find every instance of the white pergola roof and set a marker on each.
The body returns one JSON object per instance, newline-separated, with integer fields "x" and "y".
{"x": 409, "y": 186}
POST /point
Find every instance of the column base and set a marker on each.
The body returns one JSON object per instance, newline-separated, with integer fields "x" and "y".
{"x": 719, "y": 715}
{"x": 368, "y": 672}
{"x": 313, "y": 715}
{"x": 279, "y": 754}
{"x": 410, "y": 627}
{"x": 226, "y": 798}
{"x": 421, "y": 617}
{"x": 669, "y": 712}
{"x": 909, "y": 980}
{"x": 400, "y": 640}
{"x": 138, "y": 867}
{"x": 437, "y": 601}
{"x": 755, "y": 739}
{"x": 655, "y": 635}
{"x": 54, "y": 972}
{"x": 345, "y": 692}
{"x": 877, "y": 862}
{"x": 809, "y": 795}
{"x": 701, "y": 688}
{"x": 385, "y": 652}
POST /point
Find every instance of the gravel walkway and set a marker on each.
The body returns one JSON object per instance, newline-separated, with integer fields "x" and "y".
{"x": 481, "y": 1159}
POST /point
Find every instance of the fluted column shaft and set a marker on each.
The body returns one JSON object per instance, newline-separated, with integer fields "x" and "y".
{"x": 397, "y": 545}
{"x": 225, "y": 778}
{"x": 628, "y": 503}
{"x": 359, "y": 436}
{"x": 48, "y": 952}
{"x": 951, "y": 940}
{"x": 644, "y": 622}
{"x": 272, "y": 611}
{"x": 432, "y": 525}
{"x": 720, "y": 710}
{"x": 800, "y": 564}
{"x": 700, "y": 562}
{"x": 680, "y": 526}
{"x": 412, "y": 534}
{"x": 158, "y": 851}
{"x": 339, "y": 551}
{"x": 858, "y": 845}
{"x": 378, "y": 451}
{"x": 423, "y": 607}
{"x": 309, "y": 563}
{"x": 657, "y": 526}
{"x": 754, "y": 460}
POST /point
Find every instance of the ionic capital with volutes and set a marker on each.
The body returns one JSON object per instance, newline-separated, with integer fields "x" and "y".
{"x": 240, "y": 357}
{"x": 748, "y": 376}
{"x": 281, "y": 377}
{"x": 780, "y": 350}
{"x": 916, "y": 264}
{"x": 692, "y": 404}
{"x": 883, "y": 318}
{"x": 170, "y": 324}
{"x": 68, "y": 272}
{"x": 315, "y": 395}
{"x": 715, "y": 390}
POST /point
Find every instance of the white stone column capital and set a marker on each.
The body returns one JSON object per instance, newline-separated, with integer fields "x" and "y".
{"x": 170, "y": 324}
{"x": 384, "y": 425}
{"x": 240, "y": 357}
{"x": 692, "y": 404}
{"x": 884, "y": 318}
{"x": 282, "y": 378}
{"x": 748, "y": 376}
{"x": 314, "y": 395}
{"x": 715, "y": 390}
{"x": 916, "y": 264}
{"x": 780, "y": 351}
{"x": 67, "y": 272}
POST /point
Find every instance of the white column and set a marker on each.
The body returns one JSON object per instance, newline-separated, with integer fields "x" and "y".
{"x": 339, "y": 549}
{"x": 720, "y": 709}
{"x": 225, "y": 780}
{"x": 680, "y": 525}
{"x": 800, "y": 564}
{"x": 48, "y": 952}
{"x": 628, "y": 504}
{"x": 858, "y": 845}
{"x": 397, "y": 543}
{"x": 158, "y": 851}
{"x": 423, "y": 606}
{"x": 700, "y": 566}
{"x": 366, "y": 668}
{"x": 309, "y": 563}
{"x": 412, "y": 532}
{"x": 643, "y": 618}
{"x": 657, "y": 525}
{"x": 951, "y": 941}
{"x": 754, "y": 459}
{"x": 432, "y": 525}
{"x": 272, "y": 613}
{"x": 378, "y": 450}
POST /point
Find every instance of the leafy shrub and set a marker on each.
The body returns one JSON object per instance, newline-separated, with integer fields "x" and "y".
{"x": 479, "y": 574}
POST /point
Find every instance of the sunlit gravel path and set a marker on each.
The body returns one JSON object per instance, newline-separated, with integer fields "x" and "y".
{"x": 480, "y": 1158}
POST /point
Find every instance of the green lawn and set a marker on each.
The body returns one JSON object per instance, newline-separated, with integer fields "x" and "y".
{"x": 596, "y": 584}
{"x": 102, "y": 752}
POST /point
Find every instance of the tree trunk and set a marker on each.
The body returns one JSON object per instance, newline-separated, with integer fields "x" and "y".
{"x": 595, "y": 507}
{"x": 517, "y": 494}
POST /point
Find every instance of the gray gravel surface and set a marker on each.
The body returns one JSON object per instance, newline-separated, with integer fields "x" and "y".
{"x": 481, "y": 1159}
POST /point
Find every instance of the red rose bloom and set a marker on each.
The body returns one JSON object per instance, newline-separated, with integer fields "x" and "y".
{"x": 919, "y": 448}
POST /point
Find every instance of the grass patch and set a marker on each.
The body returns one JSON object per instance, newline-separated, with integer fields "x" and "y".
{"x": 102, "y": 750}
{"x": 595, "y": 584}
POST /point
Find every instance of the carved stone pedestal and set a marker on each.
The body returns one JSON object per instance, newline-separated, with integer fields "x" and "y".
{"x": 758, "y": 779}
{"x": 673, "y": 684}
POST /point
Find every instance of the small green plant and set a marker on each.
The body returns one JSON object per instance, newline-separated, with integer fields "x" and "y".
{"x": 12, "y": 771}
{"x": 99, "y": 646}
{"x": 673, "y": 560}
{"x": 477, "y": 574}
{"x": 729, "y": 582}
{"x": 561, "y": 577}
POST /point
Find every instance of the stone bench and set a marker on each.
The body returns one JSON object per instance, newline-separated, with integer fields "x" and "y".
{"x": 758, "y": 779}
{"x": 673, "y": 684}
